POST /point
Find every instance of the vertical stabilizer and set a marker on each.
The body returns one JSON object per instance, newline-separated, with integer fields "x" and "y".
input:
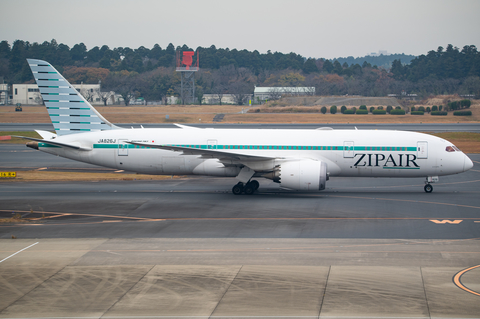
{"x": 68, "y": 110}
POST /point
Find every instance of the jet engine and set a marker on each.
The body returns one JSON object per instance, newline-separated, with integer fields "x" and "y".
{"x": 302, "y": 175}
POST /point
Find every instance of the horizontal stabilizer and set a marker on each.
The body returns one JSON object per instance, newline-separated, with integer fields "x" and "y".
{"x": 58, "y": 144}
{"x": 46, "y": 135}
{"x": 186, "y": 127}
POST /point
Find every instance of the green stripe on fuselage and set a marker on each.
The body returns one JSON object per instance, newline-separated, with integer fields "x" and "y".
{"x": 279, "y": 147}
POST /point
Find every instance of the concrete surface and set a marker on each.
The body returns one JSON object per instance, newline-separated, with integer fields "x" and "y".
{"x": 57, "y": 278}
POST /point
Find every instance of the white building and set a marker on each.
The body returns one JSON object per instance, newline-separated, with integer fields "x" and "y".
{"x": 26, "y": 94}
{"x": 4, "y": 94}
{"x": 274, "y": 93}
{"x": 215, "y": 99}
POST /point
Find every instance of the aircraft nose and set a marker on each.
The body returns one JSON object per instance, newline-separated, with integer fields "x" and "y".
{"x": 468, "y": 164}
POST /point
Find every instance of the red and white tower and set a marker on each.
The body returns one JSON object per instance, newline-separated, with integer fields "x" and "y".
{"x": 187, "y": 71}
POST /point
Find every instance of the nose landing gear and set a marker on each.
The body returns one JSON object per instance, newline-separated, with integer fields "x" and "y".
{"x": 248, "y": 188}
{"x": 428, "y": 187}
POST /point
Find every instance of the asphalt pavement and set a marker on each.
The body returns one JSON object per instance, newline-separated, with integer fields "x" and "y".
{"x": 363, "y": 248}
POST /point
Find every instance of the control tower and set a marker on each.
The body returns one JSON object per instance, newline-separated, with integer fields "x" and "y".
{"x": 187, "y": 71}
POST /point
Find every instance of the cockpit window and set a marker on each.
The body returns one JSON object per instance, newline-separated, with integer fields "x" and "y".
{"x": 456, "y": 148}
{"x": 450, "y": 149}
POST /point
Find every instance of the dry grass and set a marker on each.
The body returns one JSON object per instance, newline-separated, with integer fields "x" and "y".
{"x": 466, "y": 141}
{"x": 343, "y": 118}
{"x": 130, "y": 114}
{"x": 46, "y": 176}
{"x": 206, "y": 113}
{"x": 168, "y": 109}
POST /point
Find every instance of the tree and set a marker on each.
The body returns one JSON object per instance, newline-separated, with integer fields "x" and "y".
{"x": 342, "y": 109}
{"x": 323, "y": 110}
{"x": 310, "y": 66}
{"x": 333, "y": 109}
{"x": 87, "y": 94}
{"x": 337, "y": 67}
{"x": 78, "y": 52}
{"x": 240, "y": 92}
{"x": 397, "y": 70}
{"x": 4, "y": 50}
{"x": 86, "y": 75}
{"x": 328, "y": 66}
{"x": 122, "y": 83}
{"x": 219, "y": 92}
{"x": 291, "y": 79}
{"x": 104, "y": 96}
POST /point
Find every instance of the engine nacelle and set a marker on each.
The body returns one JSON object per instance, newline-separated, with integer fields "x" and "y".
{"x": 303, "y": 175}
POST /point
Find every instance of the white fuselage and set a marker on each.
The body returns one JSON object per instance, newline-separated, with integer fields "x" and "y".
{"x": 347, "y": 153}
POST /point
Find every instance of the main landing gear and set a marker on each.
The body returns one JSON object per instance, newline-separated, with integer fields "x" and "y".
{"x": 248, "y": 188}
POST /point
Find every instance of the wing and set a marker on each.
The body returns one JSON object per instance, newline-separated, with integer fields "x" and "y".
{"x": 222, "y": 155}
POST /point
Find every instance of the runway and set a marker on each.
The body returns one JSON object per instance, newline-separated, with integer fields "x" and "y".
{"x": 363, "y": 248}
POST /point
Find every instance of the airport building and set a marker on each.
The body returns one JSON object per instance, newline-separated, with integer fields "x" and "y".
{"x": 226, "y": 98}
{"x": 4, "y": 94}
{"x": 274, "y": 93}
{"x": 29, "y": 94}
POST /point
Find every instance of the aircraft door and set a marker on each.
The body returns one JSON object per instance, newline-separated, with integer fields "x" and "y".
{"x": 422, "y": 149}
{"x": 122, "y": 147}
{"x": 348, "y": 149}
{"x": 212, "y": 144}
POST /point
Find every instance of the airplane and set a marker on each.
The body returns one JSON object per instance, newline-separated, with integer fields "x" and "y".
{"x": 299, "y": 160}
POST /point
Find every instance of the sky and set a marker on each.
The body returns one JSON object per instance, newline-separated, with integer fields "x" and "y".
{"x": 311, "y": 28}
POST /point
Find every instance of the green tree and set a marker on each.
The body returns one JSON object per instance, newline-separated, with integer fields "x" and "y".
{"x": 328, "y": 66}
{"x": 4, "y": 50}
{"x": 310, "y": 66}
{"x": 337, "y": 67}
{"x": 397, "y": 70}
{"x": 78, "y": 52}
{"x": 333, "y": 109}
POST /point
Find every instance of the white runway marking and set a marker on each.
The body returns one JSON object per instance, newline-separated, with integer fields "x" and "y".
{"x": 18, "y": 252}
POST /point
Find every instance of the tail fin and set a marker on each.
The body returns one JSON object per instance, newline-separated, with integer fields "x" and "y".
{"x": 68, "y": 110}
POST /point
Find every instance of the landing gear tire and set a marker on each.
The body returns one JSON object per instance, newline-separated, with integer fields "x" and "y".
{"x": 249, "y": 189}
{"x": 428, "y": 188}
{"x": 255, "y": 184}
{"x": 238, "y": 189}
